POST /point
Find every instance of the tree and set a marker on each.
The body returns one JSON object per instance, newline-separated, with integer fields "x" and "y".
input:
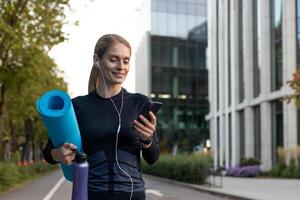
{"x": 28, "y": 30}
{"x": 295, "y": 85}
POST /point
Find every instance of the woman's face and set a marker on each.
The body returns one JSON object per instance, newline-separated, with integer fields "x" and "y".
{"x": 115, "y": 64}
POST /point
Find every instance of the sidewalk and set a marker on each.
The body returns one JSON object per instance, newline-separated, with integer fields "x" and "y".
{"x": 251, "y": 188}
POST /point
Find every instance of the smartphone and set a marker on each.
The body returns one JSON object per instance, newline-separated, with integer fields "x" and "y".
{"x": 152, "y": 106}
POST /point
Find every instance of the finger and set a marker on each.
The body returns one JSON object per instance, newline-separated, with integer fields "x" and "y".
{"x": 143, "y": 134}
{"x": 69, "y": 146}
{"x": 69, "y": 159}
{"x": 153, "y": 118}
{"x": 143, "y": 127}
{"x": 147, "y": 123}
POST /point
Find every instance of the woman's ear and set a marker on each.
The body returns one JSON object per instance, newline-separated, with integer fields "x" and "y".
{"x": 95, "y": 59}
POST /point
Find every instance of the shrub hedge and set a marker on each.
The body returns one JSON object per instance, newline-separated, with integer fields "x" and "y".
{"x": 187, "y": 168}
{"x": 11, "y": 174}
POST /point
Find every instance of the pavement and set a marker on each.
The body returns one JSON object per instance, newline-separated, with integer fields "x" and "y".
{"x": 248, "y": 188}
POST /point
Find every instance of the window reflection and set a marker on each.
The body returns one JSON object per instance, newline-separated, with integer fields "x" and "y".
{"x": 276, "y": 44}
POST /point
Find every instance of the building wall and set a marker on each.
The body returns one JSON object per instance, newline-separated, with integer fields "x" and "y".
{"x": 252, "y": 52}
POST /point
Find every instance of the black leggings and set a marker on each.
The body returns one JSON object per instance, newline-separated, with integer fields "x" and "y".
{"x": 116, "y": 196}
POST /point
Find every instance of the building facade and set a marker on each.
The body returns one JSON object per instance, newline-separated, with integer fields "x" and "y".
{"x": 179, "y": 76}
{"x": 253, "y": 50}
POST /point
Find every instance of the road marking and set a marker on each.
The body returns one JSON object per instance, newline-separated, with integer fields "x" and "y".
{"x": 155, "y": 192}
{"x": 53, "y": 190}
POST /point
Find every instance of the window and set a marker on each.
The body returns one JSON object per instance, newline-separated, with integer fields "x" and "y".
{"x": 229, "y": 54}
{"x": 277, "y": 128}
{"x": 257, "y": 133}
{"x": 256, "y": 71}
{"x": 230, "y": 139}
{"x": 276, "y": 41}
{"x": 241, "y": 52}
{"x": 242, "y": 134}
{"x": 218, "y": 141}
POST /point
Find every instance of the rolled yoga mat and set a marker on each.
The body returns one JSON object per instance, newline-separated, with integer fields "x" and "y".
{"x": 57, "y": 112}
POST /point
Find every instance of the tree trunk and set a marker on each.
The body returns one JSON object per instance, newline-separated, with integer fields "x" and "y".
{"x": 1, "y": 121}
{"x": 28, "y": 131}
{"x": 175, "y": 149}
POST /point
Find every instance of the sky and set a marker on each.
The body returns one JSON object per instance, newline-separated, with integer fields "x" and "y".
{"x": 96, "y": 18}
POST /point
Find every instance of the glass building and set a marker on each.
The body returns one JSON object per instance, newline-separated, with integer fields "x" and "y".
{"x": 254, "y": 49}
{"x": 179, "y": 76}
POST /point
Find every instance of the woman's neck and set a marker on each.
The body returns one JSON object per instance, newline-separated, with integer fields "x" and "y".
{"x": 112, "y": 90}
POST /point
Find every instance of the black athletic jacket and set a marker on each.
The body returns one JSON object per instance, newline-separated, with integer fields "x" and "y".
{"x": 98, "y": 123}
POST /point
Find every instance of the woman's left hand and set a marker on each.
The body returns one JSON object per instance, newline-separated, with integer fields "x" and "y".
{"x": 147, "y": 129}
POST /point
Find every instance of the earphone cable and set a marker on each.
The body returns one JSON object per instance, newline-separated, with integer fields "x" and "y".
{"x": 118, "y": 130}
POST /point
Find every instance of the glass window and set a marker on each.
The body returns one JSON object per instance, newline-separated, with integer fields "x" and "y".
{"x": 229, "y": 53}
{"x": 230, "y": 139}
{"x": 277, "y": 128}
{"x": 276, "y": 20}
{"x": 241, "y": 54}
{"x": 257, "y": 133}
{"x": 218, "y": 142}
{"x": 217, "y": 55}
{"x": 242, "y": 134}
{"x": 256, "y": 70}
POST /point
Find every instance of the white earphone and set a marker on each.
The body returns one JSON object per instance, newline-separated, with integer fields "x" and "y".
{"x": 119, "y": 127}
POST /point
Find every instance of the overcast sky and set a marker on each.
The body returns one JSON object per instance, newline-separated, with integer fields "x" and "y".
{"x": 96, "y": 18}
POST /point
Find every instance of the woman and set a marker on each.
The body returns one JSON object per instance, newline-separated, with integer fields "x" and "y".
{"x": 112, "y": 137}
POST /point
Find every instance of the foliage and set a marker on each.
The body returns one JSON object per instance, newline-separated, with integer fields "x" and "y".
{"x": 183, "y": 167}
{"x": 249, "y": 162}
{"x": 287, "y": 168}
{"x": 295, "y": 85}
{"x": 28, "y": 31}
{"x": 11, "y": 174}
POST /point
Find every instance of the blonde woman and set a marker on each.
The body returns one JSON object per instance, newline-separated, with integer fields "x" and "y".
{"x": 112, "y": 137}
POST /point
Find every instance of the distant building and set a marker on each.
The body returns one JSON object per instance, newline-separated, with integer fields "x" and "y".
{"x": 252, "y": 52}
{"x": 178, "y": 64}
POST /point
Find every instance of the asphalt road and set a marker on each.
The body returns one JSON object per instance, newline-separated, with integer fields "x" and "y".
{"x": 54, "y": 187}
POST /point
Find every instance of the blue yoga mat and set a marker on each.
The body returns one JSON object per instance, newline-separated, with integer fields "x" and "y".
{"x": 57, "y": 112}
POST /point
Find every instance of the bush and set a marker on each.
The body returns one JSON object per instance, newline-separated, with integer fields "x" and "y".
{"x": 187, "y": 168}
{"x": 9, "y": 175}
{"x": 249, "y": 162}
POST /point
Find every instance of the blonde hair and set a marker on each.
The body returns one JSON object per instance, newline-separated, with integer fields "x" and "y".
{"x": 101, "y": 48}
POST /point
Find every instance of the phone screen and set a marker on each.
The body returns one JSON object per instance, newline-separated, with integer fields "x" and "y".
{"x": 152, "y": 106}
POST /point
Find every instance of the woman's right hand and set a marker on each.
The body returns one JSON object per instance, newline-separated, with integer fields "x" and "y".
{"x": 64, "y": 154}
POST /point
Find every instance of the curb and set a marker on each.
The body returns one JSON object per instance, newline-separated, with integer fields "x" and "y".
{"x": 198, "y": 188}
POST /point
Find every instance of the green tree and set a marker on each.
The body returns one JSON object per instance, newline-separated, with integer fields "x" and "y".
{"x": 295, "y": 85}
{"x": 28, "y": 30}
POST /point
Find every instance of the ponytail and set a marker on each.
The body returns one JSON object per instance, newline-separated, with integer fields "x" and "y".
{"x": 94, "y": 79}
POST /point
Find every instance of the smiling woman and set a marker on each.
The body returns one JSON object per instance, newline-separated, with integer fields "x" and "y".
{"x": 112, "y": 137}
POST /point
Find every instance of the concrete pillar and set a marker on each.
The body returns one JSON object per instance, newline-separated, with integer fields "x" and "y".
{"x": 265, "y": 82}
{"x": 221, "y": 81}
{"x": 234, "y": 81}
{"x": 266, "y": 140}
{"x": 289, "y": 49}
{"x": 248, "y": 75}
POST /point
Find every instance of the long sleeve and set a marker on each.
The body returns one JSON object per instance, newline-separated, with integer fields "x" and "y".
{"x": 151, "y": 154}
{"x": 47, "y": 152}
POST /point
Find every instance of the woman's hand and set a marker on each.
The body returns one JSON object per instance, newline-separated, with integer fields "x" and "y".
{"x": 147, "y": 129}
{"x": 64, "y": 154}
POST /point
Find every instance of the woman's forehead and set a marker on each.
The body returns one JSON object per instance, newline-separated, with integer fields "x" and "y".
{"x": 119, "y": 49}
